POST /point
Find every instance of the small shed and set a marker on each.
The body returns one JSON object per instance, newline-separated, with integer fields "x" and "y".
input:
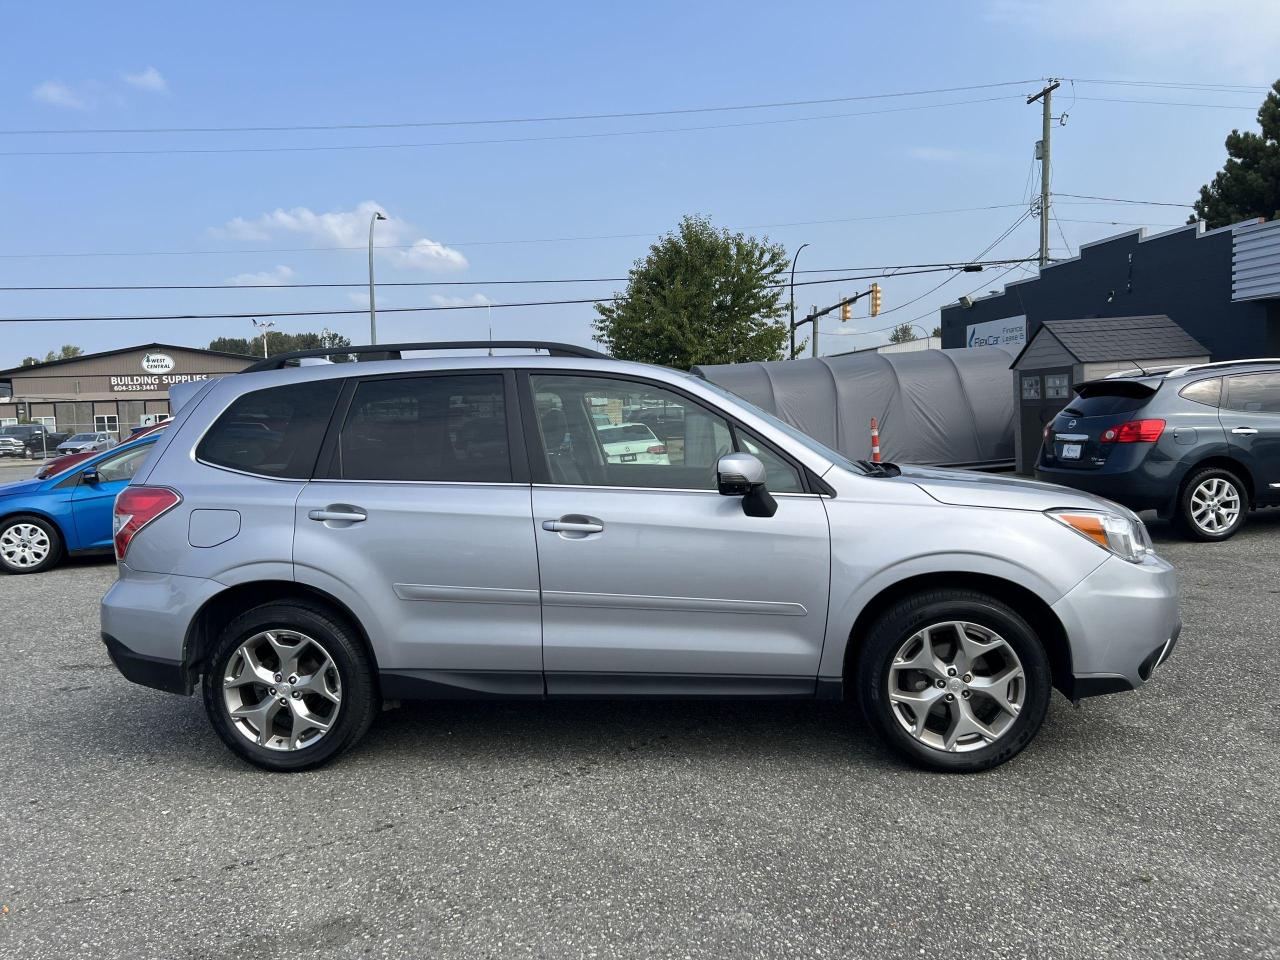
{"x": 1064, "y": 353}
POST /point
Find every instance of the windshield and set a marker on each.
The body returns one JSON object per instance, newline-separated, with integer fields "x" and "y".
{"x": 821, "y": 449}
{"x": 84, "y": 436}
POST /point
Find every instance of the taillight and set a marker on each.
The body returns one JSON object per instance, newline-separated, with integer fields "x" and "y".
{"x": 1135, "y": 431}
{"x": 135, "y": 508}
{"x": 658, "y": 448}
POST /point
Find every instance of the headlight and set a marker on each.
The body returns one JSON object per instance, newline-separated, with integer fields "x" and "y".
{"x": 1125, "y": 537}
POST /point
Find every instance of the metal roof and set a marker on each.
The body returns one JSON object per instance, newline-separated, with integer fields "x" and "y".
{"x": 1100, "y": 339}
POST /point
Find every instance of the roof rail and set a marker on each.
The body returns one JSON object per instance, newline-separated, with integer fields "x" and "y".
{"x": 393, "y": 351}
{"x": 1181, "y": 371}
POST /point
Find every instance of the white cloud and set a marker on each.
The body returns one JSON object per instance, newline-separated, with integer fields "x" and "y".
{"x": 58, "y": 94}
{"x": 280, "y": 275}
{"x": 1158, "y": 31}
{"x": 149, "y": 79}
{"x": 475, "y": 300}
{"x": 350, "y": 228}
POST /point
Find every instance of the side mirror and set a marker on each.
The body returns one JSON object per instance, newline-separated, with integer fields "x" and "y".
{"x": 91, "y": 476}
{"x": 743, "y": 475}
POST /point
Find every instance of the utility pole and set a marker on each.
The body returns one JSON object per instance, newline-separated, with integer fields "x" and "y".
{"x": 373, "y": 317}
{"x": 813, "y": 312}
{"x": 1046, "y": 96}
{"x": 792, "y": 354}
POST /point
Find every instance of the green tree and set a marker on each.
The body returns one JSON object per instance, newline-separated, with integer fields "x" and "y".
{"x": 937, "y": 332}
{"x": 282, "y": 343}
{"x": 903, "y": 333}
{"x": 701, "y": 295}
{"x": 1248, "y": 185}
{"x": 68, "y": 351}
{"x": 30, "y": 361}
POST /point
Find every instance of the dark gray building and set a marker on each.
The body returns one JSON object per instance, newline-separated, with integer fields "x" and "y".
{"x": 113, "y": 391}
{"x": 1221, "y": 286}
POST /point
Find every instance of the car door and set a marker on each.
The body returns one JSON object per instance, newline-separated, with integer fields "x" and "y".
{"x": 653, "y": 583}
{"x": 1250, "y": 415}
{"x": 94, "y": 497}
{"x": 419, "y": 518}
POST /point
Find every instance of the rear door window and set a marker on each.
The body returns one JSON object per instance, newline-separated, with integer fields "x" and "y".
{"x": 450, "y": 429}
{"x": 274, "y": 432}
{"x": 1254, "y": 392}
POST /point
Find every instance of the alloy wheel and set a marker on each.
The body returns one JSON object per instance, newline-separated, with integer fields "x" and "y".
{"x": 282, "y": 690}
{"x": 24, "y": 545}
{"x": 1215, "y": 505}
{"x": 956, "y": 686}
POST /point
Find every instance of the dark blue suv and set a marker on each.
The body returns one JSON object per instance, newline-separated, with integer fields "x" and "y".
{"x": 1199, "y": 445}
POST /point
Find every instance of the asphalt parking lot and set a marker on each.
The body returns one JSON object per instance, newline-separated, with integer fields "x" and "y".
{"x": 1141, "y": 825}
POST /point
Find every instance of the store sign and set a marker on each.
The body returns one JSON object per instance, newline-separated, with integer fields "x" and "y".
{"x": 142, "y": 384}
{"x": 157, "y": 362}
{"x": 1011, "y": 332}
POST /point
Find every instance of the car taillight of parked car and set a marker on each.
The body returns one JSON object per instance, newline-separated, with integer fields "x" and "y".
{"x": 657, "y": 448}
{"x": 135, "y": 508}
{"x": 1135, "y": 431}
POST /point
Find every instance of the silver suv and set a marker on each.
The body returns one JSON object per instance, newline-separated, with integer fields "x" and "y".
{"x": 309, "y": 540}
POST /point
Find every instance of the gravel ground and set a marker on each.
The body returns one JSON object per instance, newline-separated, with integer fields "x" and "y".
{"x": 1142, "y": 825}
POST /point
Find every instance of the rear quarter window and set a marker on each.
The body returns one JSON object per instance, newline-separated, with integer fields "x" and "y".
{"x": 1203, "y": 391}
{"x": 274, "y": 432}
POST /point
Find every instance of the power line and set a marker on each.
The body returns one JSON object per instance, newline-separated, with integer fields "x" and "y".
{"x": 1144, "y": 203}
{"x": 906, "y": 269}
{"x": 1173, "y": 103}
{"x": 490, "y": 243}
{"x": 432, "y": 309}
{"x": 1176, "y": 85}
{"x": 489, "y": 141}
{"x": 402, "y": 124}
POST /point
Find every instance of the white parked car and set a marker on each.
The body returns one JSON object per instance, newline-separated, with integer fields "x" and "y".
{"x": 88, "y": 443}
{"x": 632, "y": 443}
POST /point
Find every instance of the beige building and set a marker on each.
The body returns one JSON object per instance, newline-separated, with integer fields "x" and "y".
{"x": 113, "y": 391}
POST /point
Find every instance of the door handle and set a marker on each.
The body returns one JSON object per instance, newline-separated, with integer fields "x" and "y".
{"x": 572, "y": 526}
{"x": 349, "y": 516}
{"x": 1245, "y": 431}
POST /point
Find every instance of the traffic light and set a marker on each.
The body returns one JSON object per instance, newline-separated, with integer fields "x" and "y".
{"x": 846, "y": 311}
{"x": 875, "y": 299}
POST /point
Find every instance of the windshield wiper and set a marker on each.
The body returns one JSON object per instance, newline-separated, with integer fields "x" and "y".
{"x": 882, "y": 469}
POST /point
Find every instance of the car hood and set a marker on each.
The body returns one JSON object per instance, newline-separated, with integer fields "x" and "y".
{"x": 965, "y": 488}
{"x": 20, "y": 487}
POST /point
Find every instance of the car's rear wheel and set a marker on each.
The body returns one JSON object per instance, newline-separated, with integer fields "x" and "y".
{"x": 289, "y": 686}
{"x": 28, "y": 544}
{"x": 1213, "y": 505}
{"x": 954, "y": 680}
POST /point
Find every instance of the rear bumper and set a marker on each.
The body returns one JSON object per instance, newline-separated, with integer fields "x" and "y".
{"x": 166, "y": 675}
{"x": 1122, "y": 622}
{"x": 1144, "y": 486}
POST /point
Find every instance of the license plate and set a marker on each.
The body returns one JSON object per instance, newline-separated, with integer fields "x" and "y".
{"x": 1071, "y": 451}
{"x": 628, "y": 458}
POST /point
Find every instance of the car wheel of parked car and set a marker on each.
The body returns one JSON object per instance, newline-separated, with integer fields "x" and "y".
{"x": 1212, "y": 505}
{"x": 954, "y": 680}
{"x": 28, "y": 544}
{"x": 289, "y": 686}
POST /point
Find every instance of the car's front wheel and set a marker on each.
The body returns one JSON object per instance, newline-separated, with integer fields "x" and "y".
{"x": 1213, "y": 505}
{"x": 28, "y": 544}
{"x": 289, "y": 686}
{"x": 954, "y": 680}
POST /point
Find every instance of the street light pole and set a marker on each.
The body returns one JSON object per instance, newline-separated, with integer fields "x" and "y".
{"x": 792, "y": 355}
{"x": 264, "y": 326}
{"x": 373, "y": 316}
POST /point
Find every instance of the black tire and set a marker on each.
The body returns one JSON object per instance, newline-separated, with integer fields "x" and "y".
{"x": 1184, "y": 518}
{"x": 360, "y": 701}
{"x": 908, "y": 616}
{"x": 52, "y": 558}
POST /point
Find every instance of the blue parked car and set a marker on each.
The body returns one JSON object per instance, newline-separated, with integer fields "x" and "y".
{"x": 41, "y": 521}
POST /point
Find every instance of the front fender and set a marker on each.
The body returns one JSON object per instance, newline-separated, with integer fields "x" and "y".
{"x": 876, "y": 547}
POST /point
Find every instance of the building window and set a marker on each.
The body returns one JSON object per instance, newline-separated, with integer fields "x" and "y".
{"x": 51, "y": 423}
{"x": 1031, "y": 388}
{"x": 106, "y": 423}
{"x": 8, "y": 421}
{"x": 1056, "y": 386}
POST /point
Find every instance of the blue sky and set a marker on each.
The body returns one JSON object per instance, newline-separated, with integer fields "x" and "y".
{"x": 463, "y": 212}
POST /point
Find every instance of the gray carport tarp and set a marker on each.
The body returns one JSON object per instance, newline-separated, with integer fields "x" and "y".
{"x": 934, "y": 407}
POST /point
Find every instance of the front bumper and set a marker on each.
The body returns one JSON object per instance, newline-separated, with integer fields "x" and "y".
{"x": 1122, "y": 622}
